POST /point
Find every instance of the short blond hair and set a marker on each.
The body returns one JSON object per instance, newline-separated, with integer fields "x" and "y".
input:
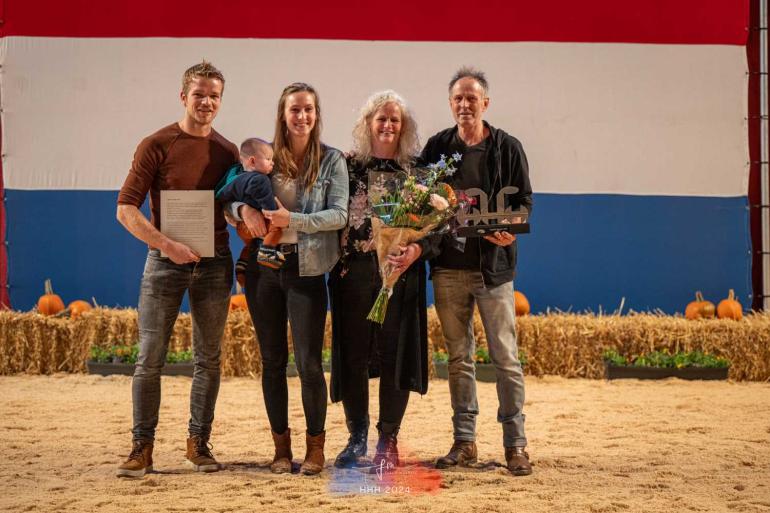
{"x": 203, "y": 69}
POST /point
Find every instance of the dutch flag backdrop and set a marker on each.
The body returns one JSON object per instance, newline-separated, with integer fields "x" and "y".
{"x": 633, "y": 120}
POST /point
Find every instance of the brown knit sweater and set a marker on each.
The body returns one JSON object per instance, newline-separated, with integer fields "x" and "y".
{"x": 171, "y": 159}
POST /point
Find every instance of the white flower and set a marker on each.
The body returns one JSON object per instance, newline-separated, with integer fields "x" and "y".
{"x": 438, "y": 202}
{"x": 457, "y": 156}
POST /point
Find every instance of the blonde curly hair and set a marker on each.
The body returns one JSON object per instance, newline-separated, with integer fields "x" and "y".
{"x": 408, "y": 142}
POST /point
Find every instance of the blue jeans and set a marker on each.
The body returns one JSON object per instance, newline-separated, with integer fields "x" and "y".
{"x": 456, "y": 291}
{"x": 164, "y": 284}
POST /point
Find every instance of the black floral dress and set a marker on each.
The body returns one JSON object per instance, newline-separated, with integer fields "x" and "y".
{"x": 397, "y": 351}
{"x": 357, "y": 235}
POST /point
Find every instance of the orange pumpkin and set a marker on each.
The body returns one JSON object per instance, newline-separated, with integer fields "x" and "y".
{"x": 521, "y": 303}
{"x": 730, "y": 308}
{"x": 238, "y": 300}
{"x": 49, "y": 303}
{"x": 77, "y": 307}
{"x": 700, "y": 308}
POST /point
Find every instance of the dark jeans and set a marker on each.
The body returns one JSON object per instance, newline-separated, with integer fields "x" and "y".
{"x": 275, "y": 296}
{"x": 368, "y": 345}
{"x": 164, "y": 284}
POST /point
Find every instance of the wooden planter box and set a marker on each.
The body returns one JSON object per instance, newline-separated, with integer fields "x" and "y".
{"x": 291, "y": 369}
{"x": 485, "y": 372}
{"x": 127, "y": 369}
{"x": 691, "y": 373}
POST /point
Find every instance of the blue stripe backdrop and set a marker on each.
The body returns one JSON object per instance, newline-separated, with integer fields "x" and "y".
{"x": 585, "y": 252}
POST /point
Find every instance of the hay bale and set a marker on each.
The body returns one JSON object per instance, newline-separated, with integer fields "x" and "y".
{"x": 32, "y": 343}
{"x": 569, "y": 345}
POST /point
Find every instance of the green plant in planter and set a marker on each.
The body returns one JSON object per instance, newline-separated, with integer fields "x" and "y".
{"x": 481, "y": 356}
{"x": 612, "y": 356}
{"x": 179, "y": 356}
{"x": 100, "y": 355}
{"x": 440, "y": 356}
{"x": 664, "y": 359}
{"x": 130, "y": 353}
{"x": 523, "y": 357}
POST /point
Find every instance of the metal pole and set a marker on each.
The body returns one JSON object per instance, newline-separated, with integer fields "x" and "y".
{"x": 765, "y": 153}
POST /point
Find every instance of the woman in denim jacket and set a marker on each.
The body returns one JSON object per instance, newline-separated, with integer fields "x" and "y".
{"x": 310, "y": 181}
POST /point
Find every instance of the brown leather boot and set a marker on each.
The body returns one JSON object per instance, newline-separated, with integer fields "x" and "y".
{"x": 517, "y": 461}
{"x": 139, "y": 461}
{"x": 462, "y": 453}
{"x": 199, "y": 455}
{"x": 314, "y": 456}
{"x": 282, "y": 460}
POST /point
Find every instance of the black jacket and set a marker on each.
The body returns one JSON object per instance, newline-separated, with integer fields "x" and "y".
{"x": 250, "y": 187}
{"x": 506, "y": 165}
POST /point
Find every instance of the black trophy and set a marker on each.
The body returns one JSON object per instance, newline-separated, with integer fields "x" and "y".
{"x": 477, "y": 222}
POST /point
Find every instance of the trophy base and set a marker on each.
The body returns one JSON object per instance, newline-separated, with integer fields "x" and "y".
{"x": 487, "y": 229}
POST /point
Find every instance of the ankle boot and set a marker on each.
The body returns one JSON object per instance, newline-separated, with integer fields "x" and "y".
{"x": 353, "y": 453}
{"x": 282, "y": 460}
{"x": 386, "y": 459}
{"x": 314, "y": 455}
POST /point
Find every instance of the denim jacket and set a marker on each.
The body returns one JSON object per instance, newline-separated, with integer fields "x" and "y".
{"x": 319, "y": 214}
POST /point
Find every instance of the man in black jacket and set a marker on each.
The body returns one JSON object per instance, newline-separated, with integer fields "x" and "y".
{"x": 480, "y": 271}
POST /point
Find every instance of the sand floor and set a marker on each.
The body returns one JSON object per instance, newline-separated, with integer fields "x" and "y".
{"x": 596, "y": 447}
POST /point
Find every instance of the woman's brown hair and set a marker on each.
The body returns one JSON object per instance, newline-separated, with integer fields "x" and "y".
{"x": 282, "y": 145}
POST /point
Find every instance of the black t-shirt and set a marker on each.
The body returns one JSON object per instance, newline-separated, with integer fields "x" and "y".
{"x": 472, "y": 167}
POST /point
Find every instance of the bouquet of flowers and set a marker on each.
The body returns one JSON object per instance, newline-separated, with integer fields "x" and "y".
{"x": 406, "y": 209}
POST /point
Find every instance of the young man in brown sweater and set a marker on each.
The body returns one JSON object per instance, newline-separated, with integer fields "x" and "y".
{"x": 188, "y": 155}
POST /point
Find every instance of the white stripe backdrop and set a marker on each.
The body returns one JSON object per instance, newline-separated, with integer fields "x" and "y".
{"x": 594, "y": 118}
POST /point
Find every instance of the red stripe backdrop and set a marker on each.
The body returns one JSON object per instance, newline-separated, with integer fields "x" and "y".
{"x": 648, "y": 21}
{"x": 600, "y": 21}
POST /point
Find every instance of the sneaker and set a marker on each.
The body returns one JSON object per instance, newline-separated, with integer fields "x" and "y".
{"x": 461, "y": 454}
{"x": 270, "y": 257}
{"x": 139, "y": 462}
{"x": 199, "y": 455}
{"x": 517, "y": 461}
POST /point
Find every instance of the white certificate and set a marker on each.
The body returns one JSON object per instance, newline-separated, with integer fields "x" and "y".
{"x": 188, "y": 217}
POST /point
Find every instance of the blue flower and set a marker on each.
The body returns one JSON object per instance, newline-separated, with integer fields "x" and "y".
{"x": 441, "y": 163}
{"x": 457, "y": 157}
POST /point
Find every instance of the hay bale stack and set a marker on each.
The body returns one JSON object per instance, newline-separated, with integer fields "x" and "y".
{"x": 571, "y": 345}
{"x": 568, "y": 345}
{"x": 240, "y": 350}
{"x": 34, "y": 344}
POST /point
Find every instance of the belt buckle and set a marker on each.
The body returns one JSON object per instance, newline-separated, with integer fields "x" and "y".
{"x": 287, "y": 249}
